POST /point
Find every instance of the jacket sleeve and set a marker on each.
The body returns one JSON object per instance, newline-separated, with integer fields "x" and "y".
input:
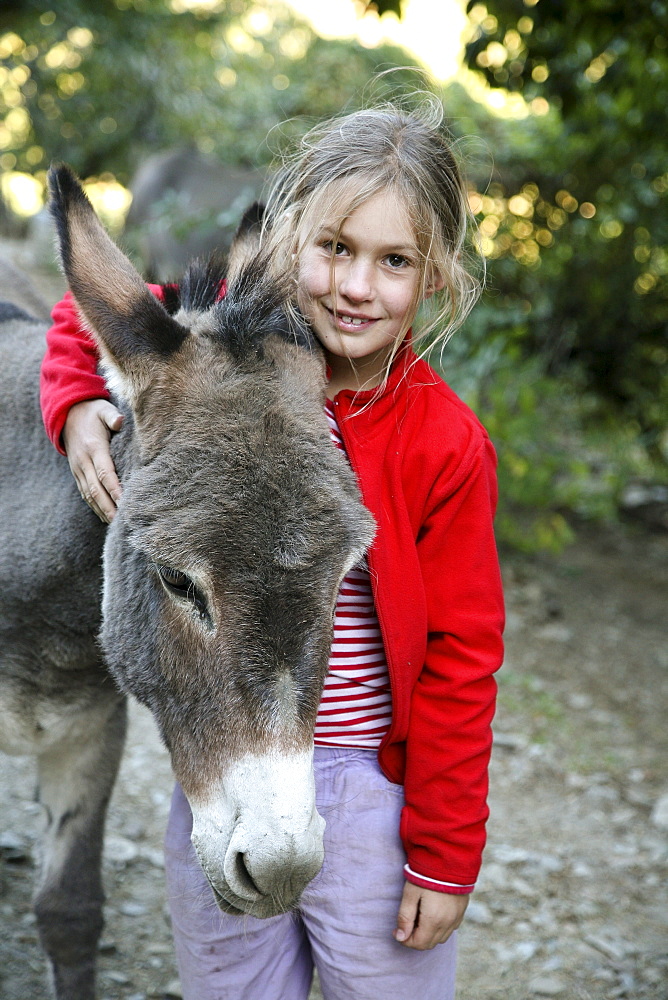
{"x": 69, "y": 372}
{"x": 449, "y": 739}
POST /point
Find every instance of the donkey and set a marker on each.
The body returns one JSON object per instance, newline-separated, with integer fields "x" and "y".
{"x": 212, "y": 591}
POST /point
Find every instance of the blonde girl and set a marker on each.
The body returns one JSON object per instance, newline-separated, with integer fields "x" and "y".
{"x": 370, "y": 216}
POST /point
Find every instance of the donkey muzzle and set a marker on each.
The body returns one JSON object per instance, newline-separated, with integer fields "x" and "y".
{"x": 260, "y": 840}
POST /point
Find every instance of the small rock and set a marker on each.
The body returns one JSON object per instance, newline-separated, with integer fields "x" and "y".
{"x": 514, "y": 623}
{"x": 555, "y": 633}
{"x": 552, "y": 964}
{"x": 508, "y": 855}
{"x": 526, "y": 950}
{"x": 492, "y": 876}
{"x": 616, "y": 949}
{"x": 479, "y": 913}
{"x": 639, "y": 797}
{"x": 524, "y": 888}
{"x": 544, "y": 921}
{"x": 173, "y": 991}
{"x": 131, "y": 909}
{"x": 510, "y": 741}
{"x": 106, "y": 946}
{"x": 602, "y": 716}
{"x": 13, "y": 848}
{"x": 134, "y": 829}
{"x": 549, "y": 863}
{"x": 117, "y": 977}
{"x": 547, "y": 986}
{"x": 604, "y": 975}
{"x": 579, "y": 701}
{"x": 585, "y": 908}
{"x": 159, "y": 948}
{"x": 623, "y": 817}
{"x": 659, "y": 815}
{"x": 154, "y": 856}
{"x": 602, "y": 793}
{"x": 120, "y": 850}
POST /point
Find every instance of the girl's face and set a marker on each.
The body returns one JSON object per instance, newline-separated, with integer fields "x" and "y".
{"x": 364, "y": 303}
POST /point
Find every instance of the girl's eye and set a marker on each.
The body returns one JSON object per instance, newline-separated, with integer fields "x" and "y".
{"x": 337, "y": 249}
{"x": 396, "y": 260}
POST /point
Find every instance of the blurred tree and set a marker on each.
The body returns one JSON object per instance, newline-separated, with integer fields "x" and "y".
{"x": 100, "y": 85}
{"x": 385, "y": 6}
{"x": 581, "y": 196}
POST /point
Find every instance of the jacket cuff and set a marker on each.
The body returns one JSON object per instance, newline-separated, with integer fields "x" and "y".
{"x": 424, "y": 882}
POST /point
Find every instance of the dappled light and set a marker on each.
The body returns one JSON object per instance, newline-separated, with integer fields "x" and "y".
{"x": 567, "y": 177}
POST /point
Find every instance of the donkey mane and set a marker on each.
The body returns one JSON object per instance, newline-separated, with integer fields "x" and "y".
{"x": 255, "y": 306}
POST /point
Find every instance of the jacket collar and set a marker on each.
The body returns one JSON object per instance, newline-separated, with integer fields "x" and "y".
{"x": 400, "y": 370}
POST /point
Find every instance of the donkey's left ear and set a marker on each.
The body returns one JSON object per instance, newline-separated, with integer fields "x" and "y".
{"x": 131, "y": 327}
{"x": 246, "y": 241}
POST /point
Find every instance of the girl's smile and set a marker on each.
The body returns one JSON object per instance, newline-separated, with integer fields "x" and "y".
{"x": 361, "y": 300}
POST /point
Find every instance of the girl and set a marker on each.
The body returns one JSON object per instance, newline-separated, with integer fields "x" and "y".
{"x": 371, "y": 217}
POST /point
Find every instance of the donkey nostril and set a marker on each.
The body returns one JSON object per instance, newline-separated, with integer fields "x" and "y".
{"x": 244, "y": 877}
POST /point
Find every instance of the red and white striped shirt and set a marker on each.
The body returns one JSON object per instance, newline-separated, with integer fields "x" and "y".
{"x": 356, "y": 705}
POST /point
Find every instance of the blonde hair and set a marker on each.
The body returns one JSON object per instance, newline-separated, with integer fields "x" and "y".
{"x": 344, "y": 161}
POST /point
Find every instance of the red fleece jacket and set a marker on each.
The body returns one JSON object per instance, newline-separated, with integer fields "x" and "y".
{"x": 426, "y": 469}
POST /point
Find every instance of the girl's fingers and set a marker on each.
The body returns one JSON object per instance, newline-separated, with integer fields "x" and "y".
{"x": 408, "y": 913}
{"x": 107, "y": 479}
{"x": 86, "y": 435}
{"x": 92, "y": 489}
{"x": 428, "y": 918}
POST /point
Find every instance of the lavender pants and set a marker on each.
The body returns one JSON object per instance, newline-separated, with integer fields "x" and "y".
{"x": 345, "y": 918}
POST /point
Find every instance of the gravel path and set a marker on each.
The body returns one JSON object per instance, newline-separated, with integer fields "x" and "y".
{"x": 572, "y": 899}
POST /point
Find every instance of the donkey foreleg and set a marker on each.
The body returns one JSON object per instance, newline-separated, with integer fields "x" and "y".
{"x": 76, "y": 778}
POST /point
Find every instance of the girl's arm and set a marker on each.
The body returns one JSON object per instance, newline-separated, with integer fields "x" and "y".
{"x": 69, "y": 369}
{"x": 78, "y": 415}
{"x": 449, "y": 739}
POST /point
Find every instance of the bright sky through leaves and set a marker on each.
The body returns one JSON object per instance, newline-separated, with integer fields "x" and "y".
{"x": 430, "y": 29}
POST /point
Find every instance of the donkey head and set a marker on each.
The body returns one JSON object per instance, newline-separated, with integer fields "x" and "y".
{"x": 237, "y": 523}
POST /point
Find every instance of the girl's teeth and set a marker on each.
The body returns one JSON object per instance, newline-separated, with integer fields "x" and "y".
{"x": 353, "y": 320}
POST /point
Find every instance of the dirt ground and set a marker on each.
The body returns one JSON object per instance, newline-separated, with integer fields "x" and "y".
{"x": 572, "y": 900}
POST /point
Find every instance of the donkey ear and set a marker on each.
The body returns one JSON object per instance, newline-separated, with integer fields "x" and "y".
{"x": 130, "y": 325}
{"x": 246, "y": 241}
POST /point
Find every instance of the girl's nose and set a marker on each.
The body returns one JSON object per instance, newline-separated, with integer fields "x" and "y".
{"x": 356, "y": 284}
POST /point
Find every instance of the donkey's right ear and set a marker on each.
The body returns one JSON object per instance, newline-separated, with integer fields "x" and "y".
{"x": 130, "y": 325}
{"x": 246, "y": 240}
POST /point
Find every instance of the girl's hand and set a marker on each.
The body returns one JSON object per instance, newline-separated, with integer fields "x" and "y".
{"x": 428, "y": 918}
{"x": 86, "y": 437}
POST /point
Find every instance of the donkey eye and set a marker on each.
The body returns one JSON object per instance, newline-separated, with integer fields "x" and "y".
{"x": 175, "y": 580}
{"x": 182, "y": 586}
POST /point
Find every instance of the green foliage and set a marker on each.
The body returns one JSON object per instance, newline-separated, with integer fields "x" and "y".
{"x": 102, "y": 85}
{"x": 595, "y": 170}
{"x": 566, "y": 358}
{"x": 562, "y": 454}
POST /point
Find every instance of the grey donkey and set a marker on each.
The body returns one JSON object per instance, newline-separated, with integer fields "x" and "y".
{"x": 210, "y": 597}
